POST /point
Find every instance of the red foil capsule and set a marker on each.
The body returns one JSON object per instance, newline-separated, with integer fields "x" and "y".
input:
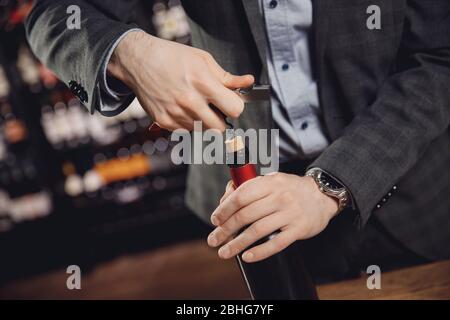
{"x": 241, "y": 174}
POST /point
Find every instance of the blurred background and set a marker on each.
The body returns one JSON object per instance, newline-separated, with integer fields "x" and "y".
{"x": 77, "y": 188}
{"x": 101, "y": 193}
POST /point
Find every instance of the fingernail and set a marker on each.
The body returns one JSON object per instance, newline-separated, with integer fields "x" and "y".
{"x": 247, "y": 256}
{"x": 212, "y": 240}
{"x": 224, "y": 252}
{"x": 214, "y": 220}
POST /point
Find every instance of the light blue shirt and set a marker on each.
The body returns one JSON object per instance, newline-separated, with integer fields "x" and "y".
{"x": 295, "y": 102}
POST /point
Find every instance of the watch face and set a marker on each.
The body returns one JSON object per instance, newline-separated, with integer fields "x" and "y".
{"x": 330, "y": 182}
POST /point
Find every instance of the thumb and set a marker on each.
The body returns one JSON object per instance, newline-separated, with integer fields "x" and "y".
{"x": 229, "y": 80}
{"x": 233, "y": 82}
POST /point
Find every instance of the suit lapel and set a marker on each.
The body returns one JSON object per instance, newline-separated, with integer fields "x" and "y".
{"x": 257, "y": 26}
{"x": 320, "y": 27}
{"x": 320, "y": 32}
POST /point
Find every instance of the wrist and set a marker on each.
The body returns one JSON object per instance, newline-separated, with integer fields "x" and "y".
{"x": 327, "y": 204}
{"x": 127, "y": 55}
{"x": 330, "y": 186}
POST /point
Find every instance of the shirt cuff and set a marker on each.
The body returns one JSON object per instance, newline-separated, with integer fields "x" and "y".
{"x": 114, "y": 88}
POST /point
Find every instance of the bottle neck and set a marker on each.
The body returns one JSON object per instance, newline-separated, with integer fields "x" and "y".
{"x": 238, "y": 158}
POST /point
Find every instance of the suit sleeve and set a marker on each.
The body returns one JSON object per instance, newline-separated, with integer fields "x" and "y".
{"x": 76, "y": 56}
{"x": 412, "y": 109}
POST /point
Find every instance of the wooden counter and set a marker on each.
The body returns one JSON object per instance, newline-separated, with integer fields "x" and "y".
{"x": 193, "y": 271}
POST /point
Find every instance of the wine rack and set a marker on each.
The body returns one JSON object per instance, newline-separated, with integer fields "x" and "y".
{"x": 77, "y": 188}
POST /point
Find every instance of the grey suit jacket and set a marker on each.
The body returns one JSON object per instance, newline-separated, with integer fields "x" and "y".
{"x": 384, "y": 93}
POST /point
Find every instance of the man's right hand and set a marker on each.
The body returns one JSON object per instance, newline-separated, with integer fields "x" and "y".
{"x": 174, "y": 83}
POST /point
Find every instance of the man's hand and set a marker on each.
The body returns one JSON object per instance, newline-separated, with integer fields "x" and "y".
{"x": 289, "y": 203}
{"x": 174, "y": 83}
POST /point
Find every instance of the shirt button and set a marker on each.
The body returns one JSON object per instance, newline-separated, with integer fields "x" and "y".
{"x": 304, "y": 125}
{"x": 273, "y": 4}
{"x": 285, "y": 66}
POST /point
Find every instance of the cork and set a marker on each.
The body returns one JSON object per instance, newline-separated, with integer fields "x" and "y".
{"x": 234, "y": 144}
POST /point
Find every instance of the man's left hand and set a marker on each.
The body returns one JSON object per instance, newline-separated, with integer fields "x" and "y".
{"x": 290, "y": 204}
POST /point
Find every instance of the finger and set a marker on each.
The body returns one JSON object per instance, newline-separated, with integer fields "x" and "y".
{"x": 250, "y": 191}
{"x": 227, "y": 101}
{"x": 234, "y": 82}
{"x": 278, "y": 243}
{"x": 196, "y": 106}
{"x": 243, "y": 217}
{"x": 253, "y": 233}
{"x": 227, "y": 79}
{"x": 208, "y": 240}
{"x": 167, "y": 122}
{"x": 228, "y": 190}
{"x": 183, "y": 118}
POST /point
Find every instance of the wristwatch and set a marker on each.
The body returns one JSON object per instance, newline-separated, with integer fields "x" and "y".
{"x": 330, "y": 186}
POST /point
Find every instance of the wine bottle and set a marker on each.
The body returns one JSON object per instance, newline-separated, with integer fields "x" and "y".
{"x": 282, "y": 276}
